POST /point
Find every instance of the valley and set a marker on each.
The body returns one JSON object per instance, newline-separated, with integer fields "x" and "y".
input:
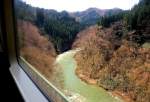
{"x": 96, "y": 55}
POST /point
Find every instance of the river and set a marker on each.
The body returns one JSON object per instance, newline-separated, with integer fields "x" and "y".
{"x": 78, "y": 90}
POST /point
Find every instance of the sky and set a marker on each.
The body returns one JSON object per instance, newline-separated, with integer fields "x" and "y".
{"x": 80, "y": 5}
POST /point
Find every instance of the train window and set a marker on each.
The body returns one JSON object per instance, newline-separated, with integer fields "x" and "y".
{"x": 86, "y": 51}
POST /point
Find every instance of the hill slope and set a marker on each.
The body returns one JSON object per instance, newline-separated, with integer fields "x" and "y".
{"x": 35, "y": 48}
{"x": 113, "y": 62}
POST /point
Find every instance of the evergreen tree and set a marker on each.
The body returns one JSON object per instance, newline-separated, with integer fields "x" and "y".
{"x": 39, "y": 17}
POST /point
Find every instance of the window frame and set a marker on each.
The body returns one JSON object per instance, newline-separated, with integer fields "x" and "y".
{"x": 48, "y": 90}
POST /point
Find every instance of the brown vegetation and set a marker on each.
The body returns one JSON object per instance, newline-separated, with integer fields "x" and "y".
{"x": 114, "y": 62}
{"x": 36, "y": 48}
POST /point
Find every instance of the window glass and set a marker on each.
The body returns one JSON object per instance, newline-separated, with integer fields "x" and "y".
{"x": 90, "y": 50}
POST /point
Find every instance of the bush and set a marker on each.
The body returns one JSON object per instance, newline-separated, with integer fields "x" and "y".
{"x": 108, "y": 82}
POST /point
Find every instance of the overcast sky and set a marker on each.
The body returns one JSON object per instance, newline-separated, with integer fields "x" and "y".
{"x": 80, "y": 5}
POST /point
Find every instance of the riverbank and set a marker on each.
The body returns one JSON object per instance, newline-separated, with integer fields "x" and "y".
{"x": 84, "y": 77}
{"x": 122, "y": 95}
{"x": 115, "y": 94}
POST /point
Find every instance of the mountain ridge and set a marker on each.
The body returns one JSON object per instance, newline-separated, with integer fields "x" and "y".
{"x": 91, "y": 15}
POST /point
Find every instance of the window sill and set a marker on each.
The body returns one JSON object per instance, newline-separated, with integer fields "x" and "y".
{"x": 27, "y": 88}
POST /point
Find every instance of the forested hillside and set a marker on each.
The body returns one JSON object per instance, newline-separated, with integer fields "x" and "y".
{"x": 137, "y": 19}
{"x": 35, "y": 48}
{"x": 59, "y": 26}
{"x": 113, "y": 54}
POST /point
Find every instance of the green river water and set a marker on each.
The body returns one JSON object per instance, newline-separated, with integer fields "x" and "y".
{"x": 72, "y": 83}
